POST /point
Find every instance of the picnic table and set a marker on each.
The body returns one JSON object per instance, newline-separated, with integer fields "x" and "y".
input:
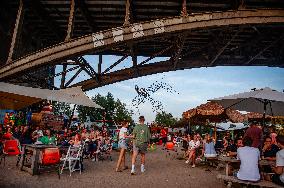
{"x": 230, "y": 160}
{"x": 33, "y": 167}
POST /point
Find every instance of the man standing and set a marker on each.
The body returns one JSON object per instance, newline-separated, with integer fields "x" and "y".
{"x": 255, "y": 134}
{"x": 142, "y": 136}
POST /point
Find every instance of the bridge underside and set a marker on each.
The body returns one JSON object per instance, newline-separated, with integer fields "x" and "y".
{"x": 41, "y": 35}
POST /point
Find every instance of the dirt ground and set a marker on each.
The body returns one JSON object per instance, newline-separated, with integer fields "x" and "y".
{"x": 163, "y": 169}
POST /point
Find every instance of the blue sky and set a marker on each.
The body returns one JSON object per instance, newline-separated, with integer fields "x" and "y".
{"x": 193, "y": 86}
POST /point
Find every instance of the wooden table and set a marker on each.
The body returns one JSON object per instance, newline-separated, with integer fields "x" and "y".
{"x": 36, "y": 150}
{"x": 229, "y": 160}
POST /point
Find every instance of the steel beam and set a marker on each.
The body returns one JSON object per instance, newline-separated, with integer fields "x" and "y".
{"x": 70, "y": 21}
{"x": 159, "y": 67}
{"x": 17, "y": 27}
{"x": 178, "y": 49}
{"x": 44, "y": 16}
{"x": 116, "y": 63}
{"x": 86, "y": 14}
{"x": 263, "y": 50}
{"x": 127, "y": 13}
{"x": 224, "y": 47}
{"x": 184, "y": 10}
{"x": 97, "y": 42}
{"x": 73, "y": 77}
{"x": 63, "y": 76}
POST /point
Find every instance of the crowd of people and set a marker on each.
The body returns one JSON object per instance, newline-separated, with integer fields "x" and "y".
{"x": 248, "y": 146}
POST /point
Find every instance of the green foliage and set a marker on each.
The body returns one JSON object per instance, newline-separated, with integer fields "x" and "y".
{"x": 165, "y": 119}
{"x": 115, "y": 110}
{"x": 60, "y": 108}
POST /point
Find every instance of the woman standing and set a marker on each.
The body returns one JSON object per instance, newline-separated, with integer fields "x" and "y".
{"x": 123, "y": 146}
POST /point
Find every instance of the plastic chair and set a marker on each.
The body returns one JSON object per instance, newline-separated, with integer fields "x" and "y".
{"x": 11, "y": 147}
{"x": 51, "y": 157}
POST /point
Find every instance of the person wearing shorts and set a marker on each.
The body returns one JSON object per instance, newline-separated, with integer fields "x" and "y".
{"x": 123, "y": 147}
{"x": 141, "y": 134}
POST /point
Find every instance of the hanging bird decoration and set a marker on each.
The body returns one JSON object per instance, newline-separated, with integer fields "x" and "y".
{"x": 144, "y": 94}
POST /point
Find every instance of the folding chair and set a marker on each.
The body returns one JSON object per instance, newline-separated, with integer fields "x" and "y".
{"x": 74, "y": 156}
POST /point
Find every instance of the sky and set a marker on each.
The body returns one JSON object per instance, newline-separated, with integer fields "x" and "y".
{"x": 193, "y": 86}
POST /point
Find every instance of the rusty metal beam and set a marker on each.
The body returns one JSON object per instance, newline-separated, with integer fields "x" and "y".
{"x": 45, "y": 18}
{"x": 184, "y": 10}
{"x": 70, "y": 21}
{"x": 178, "y": 49}
{"x": 18, "y": 25}
{"x": 63, "y": 76}
{"x": 224, "y": 47}
{"x": 87, "y": 67}
{"x": 73, "y": 77}
{"x": 155, "y": 55}
{"x": 97, "y": 42}
{"x": 263, "y": 50}
{"x": 116, "y": 63}
{"x": 100, "y": 64}
{"x": 128, "y": 12}
{"x": 159, "y": 67}
{"x": 86, "y": 14}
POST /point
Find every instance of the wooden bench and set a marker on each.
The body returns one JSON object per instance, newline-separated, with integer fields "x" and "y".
{"x": 231, "y": 179}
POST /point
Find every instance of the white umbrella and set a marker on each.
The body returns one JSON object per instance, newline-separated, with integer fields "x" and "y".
{"x": 229, "y": 126}
{"x": 17, "y": 97}
{"x": 265, "y": 100}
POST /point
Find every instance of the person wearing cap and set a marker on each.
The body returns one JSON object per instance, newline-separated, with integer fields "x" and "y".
{"x": 141, "y": 134}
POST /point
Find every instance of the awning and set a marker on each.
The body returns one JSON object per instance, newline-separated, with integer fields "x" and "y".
{"x": 17, "y": 97}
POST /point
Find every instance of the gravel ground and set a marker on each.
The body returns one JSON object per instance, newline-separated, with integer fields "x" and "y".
{"x": 162, "y": 169}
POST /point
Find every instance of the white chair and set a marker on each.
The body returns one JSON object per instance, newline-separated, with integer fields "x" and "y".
{"x": 74, "y": 155}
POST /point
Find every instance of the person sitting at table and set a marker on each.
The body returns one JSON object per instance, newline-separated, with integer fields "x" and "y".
{"x": 76, "y": 141}
{"x": 269, "y": 150}
{"x": 233, "y": 147}
{"x": 278, "y": 177}
{"x": 193, "y": 145}
{"x": 47, "y": 139}
{"x": 249, "y": 157}
{"x": 208, "y": 148}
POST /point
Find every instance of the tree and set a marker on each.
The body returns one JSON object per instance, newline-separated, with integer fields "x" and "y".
{"x": 61, "y": 108}
{"x": 115, "y": 110}
{"x": 165, "y": 119}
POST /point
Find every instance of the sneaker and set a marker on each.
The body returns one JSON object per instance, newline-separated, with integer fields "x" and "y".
{"x": 187, "y": 161}
{"x": 143, "y": 170}
{"x": 193, "y": 166}
{"x": 132, "y": 172}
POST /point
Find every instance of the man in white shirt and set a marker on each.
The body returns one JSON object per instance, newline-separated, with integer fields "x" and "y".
{"x": 278, "y": 178}
{"x": 249, "y": 157}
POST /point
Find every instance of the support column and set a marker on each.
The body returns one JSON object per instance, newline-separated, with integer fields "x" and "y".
{"x": 70, "y": 21}
{"x": 63, "y": 76}
{"x": 127, "y": 13}
{"x": 184, "y": 10}
{"x": 100, "y": 64}
{"x": 15, "y": 32}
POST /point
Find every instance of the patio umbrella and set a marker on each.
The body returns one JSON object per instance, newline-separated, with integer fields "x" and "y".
{"x": 213, "y": 112}
{"x": 17, "y": 97}
{"x": 265, "y": 101}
